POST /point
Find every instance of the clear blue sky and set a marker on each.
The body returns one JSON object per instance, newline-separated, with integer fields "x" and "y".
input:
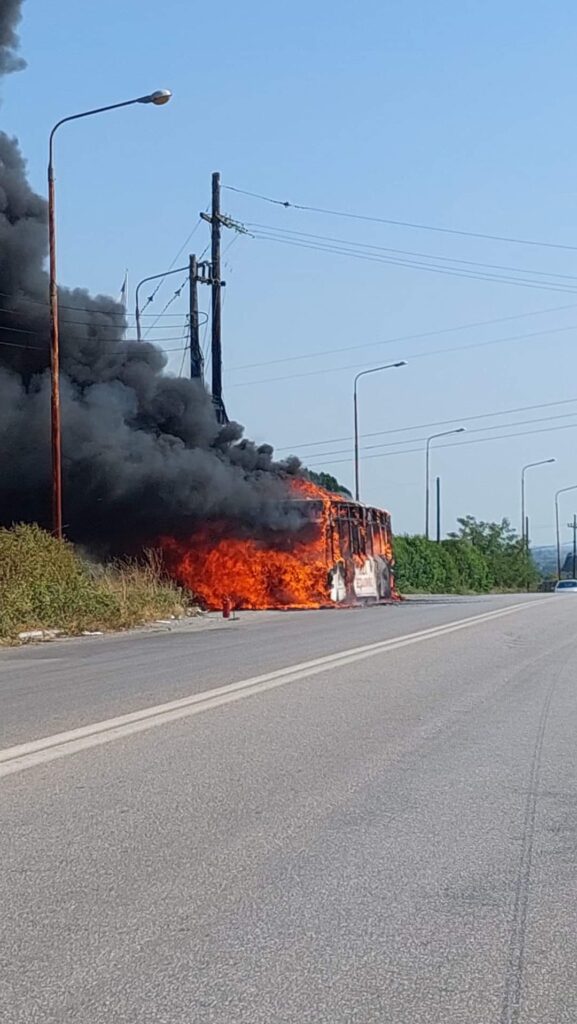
{"x": 453, "y": 114}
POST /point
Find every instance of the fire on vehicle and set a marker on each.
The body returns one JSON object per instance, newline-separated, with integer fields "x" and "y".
{"x": 341, "y": 554}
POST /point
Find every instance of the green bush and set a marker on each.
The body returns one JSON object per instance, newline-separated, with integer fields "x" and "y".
{"x": 509, "y": 565}
{"x": 481, "y": 557}
{"x": 422, "y": 565}
{"x": 44, "y": 584}
{"x": 470, "y": 566}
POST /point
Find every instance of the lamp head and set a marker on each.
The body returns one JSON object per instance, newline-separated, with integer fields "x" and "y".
{"x": 159, "y": 97}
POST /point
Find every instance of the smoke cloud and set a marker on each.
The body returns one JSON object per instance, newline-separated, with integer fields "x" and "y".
{"x": 10, "y": 14}
{"x": 143, "y": 453}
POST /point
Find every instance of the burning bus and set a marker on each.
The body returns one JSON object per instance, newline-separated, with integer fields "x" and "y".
{"x": 341, "y": 553}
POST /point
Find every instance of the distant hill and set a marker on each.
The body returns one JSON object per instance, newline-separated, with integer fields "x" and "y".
{"x": 545, "y": 558}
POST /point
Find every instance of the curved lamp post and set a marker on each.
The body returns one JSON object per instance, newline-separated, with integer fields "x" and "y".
{"x": 363, "y": 373}
{"x": 444, "y": 433}
{"x": 153, "y": 277}
{"x": 158, "y": 98}
{"x": 530, "y": 465}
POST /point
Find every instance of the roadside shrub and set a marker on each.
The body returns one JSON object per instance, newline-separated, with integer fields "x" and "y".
{"x": 45, "y": 584}
{"x": 481, "y": 558}
{"x": 451, "y": 567}
{"x": 470, "y": 566}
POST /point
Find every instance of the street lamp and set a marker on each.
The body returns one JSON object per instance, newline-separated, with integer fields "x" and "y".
{"x": 153, "y": 277}
{"x": 363, "y": 373}
{"x": 444, "y": 433}
{"x": 158, "y": 98}
{"x": 557, "y": 493}
{"x": 530, "y": 465}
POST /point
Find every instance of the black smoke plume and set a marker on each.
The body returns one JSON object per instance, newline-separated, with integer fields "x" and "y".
{"x": 10, "y": 15}
{"x": 143, "y": 453}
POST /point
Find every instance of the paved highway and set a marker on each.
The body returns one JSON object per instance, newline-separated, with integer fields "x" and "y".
{"x": 352, "y": 817}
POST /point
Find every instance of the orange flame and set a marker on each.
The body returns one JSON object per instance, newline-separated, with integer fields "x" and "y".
{"x": 286, "y": 571}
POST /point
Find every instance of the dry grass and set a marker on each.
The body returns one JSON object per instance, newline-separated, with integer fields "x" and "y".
{"x": 45, "y": 584}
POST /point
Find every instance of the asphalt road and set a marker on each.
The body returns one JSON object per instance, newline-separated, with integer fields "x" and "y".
{"x": 389, "y": 836}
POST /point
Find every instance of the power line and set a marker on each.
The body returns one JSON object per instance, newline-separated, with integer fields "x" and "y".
{"x": 434, "y": 423}
{"x": 180, "y": 372}
{"x": 476, "y": 430}
{"x": 119, "y": 344}
{"x": 95, "y": 327}
{"x": 15, "y": 344}
{"x": 230, "y": 244}
{"x": 411, "y": 357}
{"x": 284, "y": 232}
{"x": 414, "y": 265}
{"x": 157, "y": 287}
{"x": 186, "y": 241}
{"x": 204, "y": 344}
{"x": 170, "y": 301}
{"x": 452, "y": 444}
{"x": 403, "y": 337}
{"x": 77, "y": 309}
{"x": 96, "y": 340}
{"x": 400, "y": 223}
{"x": 17, "y": 330}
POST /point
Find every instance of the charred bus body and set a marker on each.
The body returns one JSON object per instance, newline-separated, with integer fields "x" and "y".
{"x": 334, "y": 551}
{"x": 358, "y": 548}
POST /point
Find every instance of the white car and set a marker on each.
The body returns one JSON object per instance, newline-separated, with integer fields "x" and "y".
{"x": 566, "y": 587}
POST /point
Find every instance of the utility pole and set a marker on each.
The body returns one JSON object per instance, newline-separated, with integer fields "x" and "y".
{"x": 573, "y": 526}
{"x": 196, "y": 360}
{"x": 216, "y": 286}
{"x": 216, "y": 221}
{"x": 438, "y": 482}
{"x": 216, "y": 343}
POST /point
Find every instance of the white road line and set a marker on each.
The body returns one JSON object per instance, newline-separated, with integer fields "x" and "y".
{"x": 28, "y": 755}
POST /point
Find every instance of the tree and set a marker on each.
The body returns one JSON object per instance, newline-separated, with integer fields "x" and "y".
{"x": 330, "y": 483}
{"x": 509, "y": 564}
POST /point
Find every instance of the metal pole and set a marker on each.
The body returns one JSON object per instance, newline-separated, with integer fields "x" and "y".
{"x": 55, "y": 432}
{"x": 364, "y": 373}
{"x": 196, "y": 361}
{"x": 443, "y": 433}
{"x": 438, "y": 483}
{"x": 216, "y": 336}
{"x": 530, "y": 465}
{"x": 159, "y": 98}
{"x": 525, "y": 544}
{"x": 356, "y": 418}
{"x": 153, "y": 277}
{"x": 563, "y": 490}
{"x": 427, "y": 487}
{"x": 574, "y": 543}
{"x": 523, "y": 506}
{"x": 558, "y": 539}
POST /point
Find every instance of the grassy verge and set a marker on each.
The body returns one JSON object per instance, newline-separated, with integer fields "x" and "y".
{"x": 45, "y": 584}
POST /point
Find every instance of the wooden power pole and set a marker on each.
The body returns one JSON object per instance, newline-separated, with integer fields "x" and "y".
{"x": 196, "y": 360}
{"x": 217, "y": 221}
{"x": 217, "y": 284}
{"x": 216, "y": 336}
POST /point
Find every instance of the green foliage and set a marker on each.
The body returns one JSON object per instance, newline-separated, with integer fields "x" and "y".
{"x": 471, "y": 567}
{"x": 45, "y": 584}
{"x": 329, "y": 482}
{"x": 445, "y": 568}
{"x": 480, "y": 557}
{"x": 510, "y": 566}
